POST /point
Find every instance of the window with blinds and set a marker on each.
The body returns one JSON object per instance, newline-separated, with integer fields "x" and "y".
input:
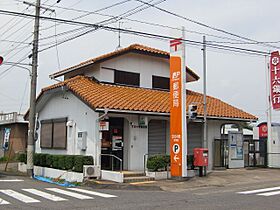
{"x": 126, "y": 78}
{"x": 54, "y": 134}
{"x": 160, "y": 82}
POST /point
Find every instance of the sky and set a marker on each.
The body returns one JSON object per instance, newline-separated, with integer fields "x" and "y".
{"x": 236, "y": 78}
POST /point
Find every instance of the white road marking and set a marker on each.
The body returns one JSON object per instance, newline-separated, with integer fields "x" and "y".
{"x": 2, "y": 202}
{"x": 19, "y": 196}
{"x": 270, "y": 193}
{"x": 45, "y": 195}
{"x": 11, "y": 180}
{"x": 72, "y": 194}
{"x": 259, "y": 190}
{"x": 104, "y": 195}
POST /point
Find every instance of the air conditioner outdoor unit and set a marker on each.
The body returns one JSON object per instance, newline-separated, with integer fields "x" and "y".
{"x": 91, "y": 171}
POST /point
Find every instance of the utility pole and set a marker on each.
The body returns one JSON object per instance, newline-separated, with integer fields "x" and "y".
{"x": 204, "y": 96}
{"x": 33, "y": 86}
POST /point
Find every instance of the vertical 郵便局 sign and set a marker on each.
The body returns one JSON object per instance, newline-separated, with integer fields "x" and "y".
{"x": 178, "y": 141}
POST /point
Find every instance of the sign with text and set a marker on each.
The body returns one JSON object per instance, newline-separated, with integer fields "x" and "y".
{"x": 7, "y": 132}
{"x": 178, "y": 142}
{"x": 275, "y": 79}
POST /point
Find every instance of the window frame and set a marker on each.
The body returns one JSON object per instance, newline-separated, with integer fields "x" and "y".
{"x": 160, "y": 77}
{"x": 52, "y": 122}
{"x": 125, "y": 75}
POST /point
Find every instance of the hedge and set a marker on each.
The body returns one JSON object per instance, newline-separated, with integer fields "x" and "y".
{"x": 63, "y": 162}
{"x": 158, "y": 162}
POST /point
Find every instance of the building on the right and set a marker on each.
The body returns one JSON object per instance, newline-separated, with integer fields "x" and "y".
{"x": 267, "y": 152}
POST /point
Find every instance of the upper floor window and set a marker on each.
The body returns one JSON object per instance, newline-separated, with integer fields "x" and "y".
{"x": 126, "y": 78}
{"x": 53, "y": 134}
{"x": 161, "y": 82}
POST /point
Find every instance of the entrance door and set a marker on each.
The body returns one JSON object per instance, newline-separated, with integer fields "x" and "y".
{"x": 257, "y": 155}
{"x": 112, "y": 145}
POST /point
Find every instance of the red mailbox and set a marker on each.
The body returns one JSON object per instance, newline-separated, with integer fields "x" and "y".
{"x": 200, "y": 156}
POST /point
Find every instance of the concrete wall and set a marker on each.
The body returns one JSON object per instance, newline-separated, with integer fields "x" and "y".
{"x": 18, "y": 136}
{"x": 67, "y": 105}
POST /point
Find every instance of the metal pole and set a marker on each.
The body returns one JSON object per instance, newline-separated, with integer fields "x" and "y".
{"x": 204, "y": 96}
{"x": 269, "y": 127}
{"x": 33, "y": 86}
{"x": 184, "y": 114}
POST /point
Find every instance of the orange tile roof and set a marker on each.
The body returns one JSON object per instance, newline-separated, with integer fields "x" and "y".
{"x": 131, "y": 48}
{"x": 99, "y": 95}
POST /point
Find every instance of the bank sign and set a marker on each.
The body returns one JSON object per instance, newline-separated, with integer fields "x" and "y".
{"x": 178, "y": 129}
{"x": 275, "y": 79}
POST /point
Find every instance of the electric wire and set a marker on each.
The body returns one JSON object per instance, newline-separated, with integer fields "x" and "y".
{"x": 109, "y": 28}
{"x": 125, "y": 14}
{"x": 204, "y": 25}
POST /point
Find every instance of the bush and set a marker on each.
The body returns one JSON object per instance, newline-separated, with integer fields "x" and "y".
{"x": 158, "y": 162}
{"x": 3, "y": 159}
{"x": 49, "y": 161}
{"x": 69, "y": 162}
{"x": 22, "y": 157}
{"x": 63, "y": 162}
{"x": 78, "y": 163}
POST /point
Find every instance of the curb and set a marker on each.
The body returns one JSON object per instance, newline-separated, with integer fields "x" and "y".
{"x": 120, "y": 186}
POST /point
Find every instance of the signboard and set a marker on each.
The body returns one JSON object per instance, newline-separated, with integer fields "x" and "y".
{"x": 263, "y": 131}
{"x": 178, "y": 142}
{"x": 236, "y": 145}
{"x": 275, "y": 79}
{"x": 7, "y": 132}
{"x": 103, "y": 126}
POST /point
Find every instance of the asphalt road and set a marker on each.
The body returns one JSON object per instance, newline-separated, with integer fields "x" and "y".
{"x": 31, "y": 194}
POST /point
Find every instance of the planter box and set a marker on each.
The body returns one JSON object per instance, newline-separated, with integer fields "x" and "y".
{"x": 158, "y": 175}
{"x": 54, "y": 173}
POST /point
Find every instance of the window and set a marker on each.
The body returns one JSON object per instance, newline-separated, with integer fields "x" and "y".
{"x": 161, "y": 82}
{"x": 126, "y": 78}
{"x": 53, "y": 134}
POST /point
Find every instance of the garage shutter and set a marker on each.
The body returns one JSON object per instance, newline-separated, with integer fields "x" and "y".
{"x": 194, "y": 136}
{"x": 157, "y": 137}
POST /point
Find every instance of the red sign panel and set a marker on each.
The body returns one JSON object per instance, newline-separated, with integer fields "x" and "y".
{"x": 263, "y": 131}
{"x": 275, "y": 79}
{"x": 175, "y": 116}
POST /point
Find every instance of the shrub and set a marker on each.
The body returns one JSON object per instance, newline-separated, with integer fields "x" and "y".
{"x": 3, "y": 159}
{"x": 69, "y": 162}
{"x": 49, "y": 161}
{"x": 22, "y": 157}
{"x": 88, "y": 160}
{"x": 63, "y": 162}
{"x": 157, "y": 162}
{"x": 78, "y": 163}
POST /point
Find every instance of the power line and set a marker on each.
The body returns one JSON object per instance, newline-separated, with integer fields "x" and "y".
{"x": 125, "y": 14}
{"x": 109, "y": 28}
{"x": 203, "y": 24}
{"x": 89, "y": 13}
{"x": 16, "y": 42}
{"x": 153, "y": 24}
{"x": 105, "y": 21}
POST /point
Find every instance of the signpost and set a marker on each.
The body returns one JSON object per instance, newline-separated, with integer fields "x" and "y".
{"x": 178, "y": 125}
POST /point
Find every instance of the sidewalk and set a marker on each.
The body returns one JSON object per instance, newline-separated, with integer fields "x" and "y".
{"x": 216, "y": 178}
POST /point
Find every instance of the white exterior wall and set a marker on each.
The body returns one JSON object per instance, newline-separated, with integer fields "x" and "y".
{"x": 83, "y": 117}
{"x": 143, "y": 64}
{"x": 274, "y": 153}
